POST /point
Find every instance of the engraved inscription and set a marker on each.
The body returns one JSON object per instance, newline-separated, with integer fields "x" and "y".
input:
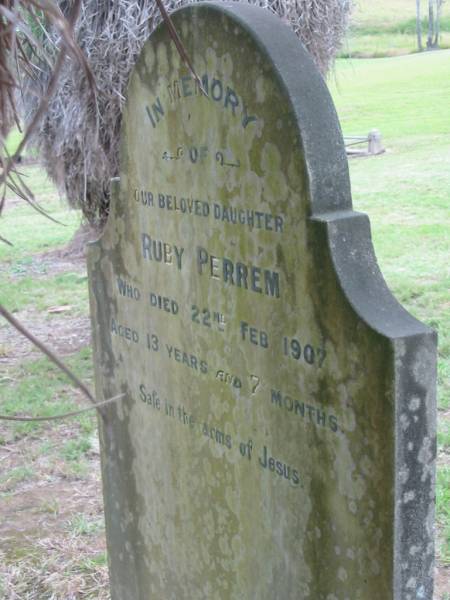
{"x": 239, "y": 274}
{"x": 188, "y": 205}
{"x": 199, "y": 426}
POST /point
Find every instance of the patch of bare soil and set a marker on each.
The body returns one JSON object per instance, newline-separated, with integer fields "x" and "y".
{"x": 442, "y": 583}
{"x": 51, "y": 525}
{"x": 75, "y": 250}
{"x": 51, "y": 519}
{"x": 63, "y": 333}
{"x": 71, "y": 257}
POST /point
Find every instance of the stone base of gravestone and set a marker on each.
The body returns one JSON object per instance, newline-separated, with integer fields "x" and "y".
{"x": 277, "y": 439}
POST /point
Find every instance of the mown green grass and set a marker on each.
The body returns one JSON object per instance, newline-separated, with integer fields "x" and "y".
{"x": 16, "y": 475}
{"x": 386, "y": 13}
{"x": 23, "y": 291}
{"x": 381, "y": 44}
{"x": 37, "y": 388}
{"x": 82, "y": 525}
{"x": 388, "y": 28}
{"x": 13, "y": 141}
{"x": 406, "y": 193}
{"x": 26, "y": 278}
{"x": 443, "y": 512}
{"x": 27, "y": 230}
{"x": 404, "y": 96}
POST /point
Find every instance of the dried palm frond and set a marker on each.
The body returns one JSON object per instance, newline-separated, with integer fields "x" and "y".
{"x": 27, "y": 52}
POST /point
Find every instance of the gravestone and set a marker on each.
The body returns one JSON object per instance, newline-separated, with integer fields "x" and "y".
{"x": 277, "y": 436}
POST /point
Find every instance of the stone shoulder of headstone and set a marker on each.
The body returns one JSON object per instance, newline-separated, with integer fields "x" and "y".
{"x": 278, "y": 435}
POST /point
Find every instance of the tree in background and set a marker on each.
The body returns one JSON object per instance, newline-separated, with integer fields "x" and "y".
{"x": 434, "y": 19}
{"x": 78, "y": 138}
{"x": 419, "y": 26}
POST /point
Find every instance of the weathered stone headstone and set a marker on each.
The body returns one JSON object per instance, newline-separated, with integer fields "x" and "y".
{"x": 277, "y": 436}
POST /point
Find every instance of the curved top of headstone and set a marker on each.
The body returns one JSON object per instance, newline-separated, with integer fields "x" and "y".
{"x": 306, "y": 91}
{"x": 305, "y": 88}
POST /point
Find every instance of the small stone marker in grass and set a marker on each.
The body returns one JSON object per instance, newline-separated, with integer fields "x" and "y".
{"x": 277, "y": 440}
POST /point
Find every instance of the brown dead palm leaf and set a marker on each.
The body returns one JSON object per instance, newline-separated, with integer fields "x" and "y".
{"x": 25, "y": 50}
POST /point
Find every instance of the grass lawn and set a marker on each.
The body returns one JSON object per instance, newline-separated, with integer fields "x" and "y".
{"x": 404, "y": 97}
{"x": 13, "y": 141}
{"x": 52, "y": 533}
{"x": 388, "y": 28}
{"x": 30, "y": 232}
{"x": 406, "y": 193}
